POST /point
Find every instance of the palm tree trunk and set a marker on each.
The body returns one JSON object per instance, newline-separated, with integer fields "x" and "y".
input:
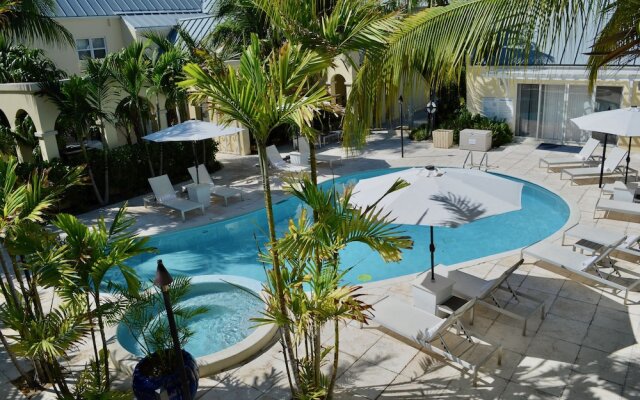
{"x": 336, "y": 355}
{"x": 96, "y": 355}
{"x": 105, "y": 351}
{"x": 105, "y": 152}
{"x": 4, "y": 259}
{"x": 313, "y": 162}
{"x": 15, "y": 362}
{"x": 90, "y": 172}
{"x": 264, "y": 169}
{"x": 146, "y": 146}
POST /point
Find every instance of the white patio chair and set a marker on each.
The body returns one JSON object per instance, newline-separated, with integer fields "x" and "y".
{"x": 305, "y": 151}
{"x": 277, "y": 162}
{"x": 219, "y": 191}
{"x": 469, "y": 287}
{"x": 579, "y": 264}
{"x": 612, "y": 167}
{"x": 583, "y": 158}
{"x": 423, "y": 328}
{"x": 166, "y": 196}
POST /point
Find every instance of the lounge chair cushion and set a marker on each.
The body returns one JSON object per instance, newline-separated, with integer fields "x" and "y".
{"x": 406, "y": 320}
{"x": 469, "y": 286}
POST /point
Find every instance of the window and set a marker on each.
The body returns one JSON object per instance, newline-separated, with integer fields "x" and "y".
{"x": 91, "y": 48}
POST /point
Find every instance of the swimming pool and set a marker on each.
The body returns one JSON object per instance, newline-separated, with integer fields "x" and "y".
{"x": 229, "y": 247}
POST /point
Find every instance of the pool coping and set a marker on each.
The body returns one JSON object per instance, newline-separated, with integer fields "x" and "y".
{"x": 262, "y": 335}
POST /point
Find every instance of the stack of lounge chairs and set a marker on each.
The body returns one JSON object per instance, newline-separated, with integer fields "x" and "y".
{"x": 277, "y": 162}
{"x": 166, "y": 196}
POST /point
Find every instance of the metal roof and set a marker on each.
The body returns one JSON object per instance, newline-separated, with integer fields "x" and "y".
{"x": 94, "y": 8}
{"x": 141, "y": 21}
{"x": 198, "y": 27}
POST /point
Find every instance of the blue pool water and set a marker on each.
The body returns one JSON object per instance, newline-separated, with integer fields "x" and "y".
{"x": 229, "y": 247}
{"x": 226, "y": 322}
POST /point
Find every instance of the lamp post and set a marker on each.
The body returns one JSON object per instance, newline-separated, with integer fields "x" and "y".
{"x": 401, "y": 101}
{"x": 431, "y": 111}
{"x": 163, "y": 280}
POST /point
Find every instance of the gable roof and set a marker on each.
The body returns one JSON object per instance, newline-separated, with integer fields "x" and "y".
{"x": 94, "y": 8}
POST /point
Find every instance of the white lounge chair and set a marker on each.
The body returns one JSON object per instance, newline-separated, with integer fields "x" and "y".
{"x": 276, "y": 161}
{"x": 593, "y": 238}
{"x": 619, "y": 206}
{"x": 166, "y": 196}
{"x": 203, "y": 177}
{"x": 423, "y": 328}
{"x": 583, "y": 158}
{"x": 469, "y": 286}
{"x": 305, "y": 151}
{"x": 580, "y": 264}
{"x": 611, "y": 167}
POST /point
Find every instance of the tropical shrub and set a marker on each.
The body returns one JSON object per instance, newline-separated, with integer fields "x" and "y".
{"x": 22, "y": 64}
{"x": 420, "y": 133}
{"x": 463, "y": 119}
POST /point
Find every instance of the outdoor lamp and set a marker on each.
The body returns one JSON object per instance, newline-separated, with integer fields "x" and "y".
{"x": 163, "y": 280}
{"x": 431, "y": 111}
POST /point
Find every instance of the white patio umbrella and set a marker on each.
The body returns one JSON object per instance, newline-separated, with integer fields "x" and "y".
{"x": 192, "y": 131}
{"x": 448, "y": 197}
{"x": 622, "y": 122}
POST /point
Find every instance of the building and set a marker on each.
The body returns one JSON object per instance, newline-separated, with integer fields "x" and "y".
{"x": 538, "y": 101}
{"x": 100, "y": 27}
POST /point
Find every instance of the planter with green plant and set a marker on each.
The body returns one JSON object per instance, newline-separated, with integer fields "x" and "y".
{"x": 147, "y": 322}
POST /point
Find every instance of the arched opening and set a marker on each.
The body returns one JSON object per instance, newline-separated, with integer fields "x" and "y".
{"x": 7, "y": 141}
{"x": 339, "y": 90}
{"x": 25, "y": 137}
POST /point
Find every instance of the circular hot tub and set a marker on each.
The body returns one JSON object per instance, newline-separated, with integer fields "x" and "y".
{"x": 224, "y": 336}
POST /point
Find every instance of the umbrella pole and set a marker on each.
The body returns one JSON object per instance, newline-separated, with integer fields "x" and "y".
{"x": 626, "y": 172}
{"x": 604, "y": 151}
{"x": 195, "y": 157}
{"x": 161, "y": 158}
{"x": 432, "y": 250}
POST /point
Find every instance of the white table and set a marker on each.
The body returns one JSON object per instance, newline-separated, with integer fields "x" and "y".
{"x": 428, "y": 294}
{"x": 200, "y": 193}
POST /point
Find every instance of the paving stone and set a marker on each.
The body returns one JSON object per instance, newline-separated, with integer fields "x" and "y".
{"x": 356, "y": 341}
{"x": 601, "y": 364}
{"x": 608, "y": 340}
{"x": 550, "y": 348}
{"x": 591, "y": 387}
{"x": 515, "y": 390}
{"x": 509, "y": 336}
{"x": 365, "y": 379}
{"x": 573, "y": 309}
{"x": 545, "y": 375}
{"x": 613, "y": 319}
{"x": 562, "y": 328}
{"x": 390, "y": 353}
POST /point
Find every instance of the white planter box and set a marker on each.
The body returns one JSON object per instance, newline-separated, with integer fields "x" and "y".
{"x": 427, "y": 294}
{"x": 475, "y": 140}
{"x": 442, "y": 138}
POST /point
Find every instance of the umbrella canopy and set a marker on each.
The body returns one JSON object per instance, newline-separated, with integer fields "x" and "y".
{"x": 621, "y": 122}
{"x": 447, "y": 197}
{"x": 192, "y": 130}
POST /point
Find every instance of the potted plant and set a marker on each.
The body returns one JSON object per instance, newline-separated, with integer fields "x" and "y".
{"x": 158, "y": 371}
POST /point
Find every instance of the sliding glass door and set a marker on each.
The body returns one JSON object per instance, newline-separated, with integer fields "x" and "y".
{"x": 527, "y": 119}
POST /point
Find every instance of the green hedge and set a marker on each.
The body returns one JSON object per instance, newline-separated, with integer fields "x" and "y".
{"x": 128, "y": 170}
{"x": 463, "y": 119}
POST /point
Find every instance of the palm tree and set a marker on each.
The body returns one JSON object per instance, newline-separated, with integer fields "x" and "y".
{"x": 93, "y": 252}
{"x": 130, "y": 69}
{"x": 263, "y": 96}
{"x": 332, "y": 28}
{"x": 30, "y": 20}
{"x": 618, "y": 42}
{"x": 237, "y": 21}
{"x": 100, "y": 95}
{"x": 435, "y": 44}
{"x": 25, "y": 207}
{"x": 77, "y": 113}
{"x": 21, "y": 64}
{"x": 315, "y": 292}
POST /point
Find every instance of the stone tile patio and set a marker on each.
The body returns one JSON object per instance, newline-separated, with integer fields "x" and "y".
{"x": 585, "y": 348}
